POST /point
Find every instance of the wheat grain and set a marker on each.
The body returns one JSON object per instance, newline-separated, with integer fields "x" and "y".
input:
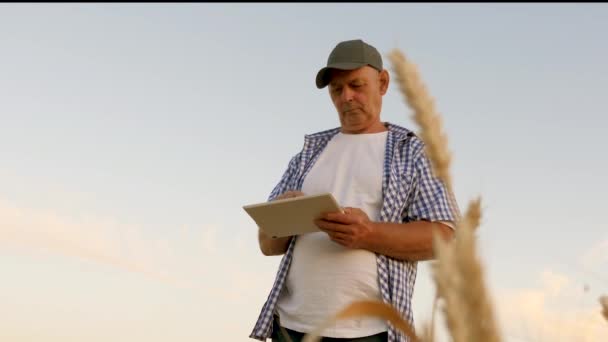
{"x": 418, "y": 99}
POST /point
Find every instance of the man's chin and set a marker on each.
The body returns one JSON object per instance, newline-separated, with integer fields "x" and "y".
{"x": 354, "y": 120}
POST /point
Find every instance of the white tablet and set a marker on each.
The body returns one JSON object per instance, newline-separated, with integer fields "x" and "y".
{"x": 291, "y": 216}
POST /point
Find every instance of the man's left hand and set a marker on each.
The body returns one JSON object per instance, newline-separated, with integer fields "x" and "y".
{"x": 351, "y": 229}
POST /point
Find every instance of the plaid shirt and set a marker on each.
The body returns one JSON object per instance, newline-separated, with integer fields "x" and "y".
{"x": 410, "y": 192}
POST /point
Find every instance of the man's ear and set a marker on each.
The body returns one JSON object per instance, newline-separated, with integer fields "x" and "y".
{"x": 384, "y": 81}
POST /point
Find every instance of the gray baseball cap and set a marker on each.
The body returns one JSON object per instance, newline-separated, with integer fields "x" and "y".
{"x": 349, "y": 55}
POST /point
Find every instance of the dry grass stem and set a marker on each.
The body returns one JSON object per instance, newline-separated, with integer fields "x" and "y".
{"x": 425, "y": 116}
{"x": 431, "y": 333}
{"x": 473, "y": 214}
{"x": 458, "y": 272}
{"x": 448, "y": 281}
{"x": 427, "y": 333}
{"x": 367, "y": 308}
{"x": 604, "y": 303}
{"x": 459, "y": 277}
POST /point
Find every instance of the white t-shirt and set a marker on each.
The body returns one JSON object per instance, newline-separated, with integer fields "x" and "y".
{"x": 324, "y": 277}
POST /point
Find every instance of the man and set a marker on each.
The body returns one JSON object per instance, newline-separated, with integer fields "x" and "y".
{"x": 392, "y": 202}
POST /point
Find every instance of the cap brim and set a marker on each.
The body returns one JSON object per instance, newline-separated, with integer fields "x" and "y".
{"x": 323, "y": 74}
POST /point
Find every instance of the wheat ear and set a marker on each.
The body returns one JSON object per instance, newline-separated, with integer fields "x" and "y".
{"x": 423, "y": 105}
{"x": 460, "y": 282}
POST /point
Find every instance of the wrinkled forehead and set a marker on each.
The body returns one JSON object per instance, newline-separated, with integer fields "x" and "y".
{"x": 365, "y": 73}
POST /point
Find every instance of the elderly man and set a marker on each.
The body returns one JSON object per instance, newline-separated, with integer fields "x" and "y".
{"x": 380, "y": 174}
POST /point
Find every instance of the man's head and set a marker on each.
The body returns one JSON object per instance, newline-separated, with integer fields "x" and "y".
{"x": 357, "y": 82}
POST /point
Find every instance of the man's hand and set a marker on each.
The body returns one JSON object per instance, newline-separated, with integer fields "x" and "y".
{"x": 351, "y": 228}
{"x": 289, "y": 194}
{"x": 276, "y": 246}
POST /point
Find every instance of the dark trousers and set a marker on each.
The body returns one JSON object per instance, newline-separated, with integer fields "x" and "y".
{"x": 278, "y": 335}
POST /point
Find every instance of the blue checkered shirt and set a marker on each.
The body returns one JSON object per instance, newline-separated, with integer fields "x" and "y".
{"x": 410, "y": 192}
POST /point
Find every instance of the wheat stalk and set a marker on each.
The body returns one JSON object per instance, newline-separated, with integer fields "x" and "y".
{"x": 458, "y": 272}
{"x": 429, "y": 333}
{"x": 473, "y": 214}
{"x": 604, "y": 303}
{"x": 423, "y": 105}
{"x": 459, "y": 276}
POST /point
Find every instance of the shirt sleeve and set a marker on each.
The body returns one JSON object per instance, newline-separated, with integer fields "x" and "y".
{"x": 431, "y": 200}
{"x": 449, "y": 224}
{"x": 287, "y": 180}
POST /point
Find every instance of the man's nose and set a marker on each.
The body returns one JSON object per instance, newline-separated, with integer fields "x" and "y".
{"x": 347, "y": 94}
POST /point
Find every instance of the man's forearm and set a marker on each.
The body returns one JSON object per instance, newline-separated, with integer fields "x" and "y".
{"x": 277, "y": 246}
{"x": 411, "y": 241}
{"x": 270, "y": 246}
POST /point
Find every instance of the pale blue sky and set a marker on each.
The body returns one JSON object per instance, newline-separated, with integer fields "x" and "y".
{"x": 136, "y": 133}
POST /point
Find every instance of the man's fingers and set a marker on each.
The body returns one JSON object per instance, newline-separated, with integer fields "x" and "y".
{"x": 342, "y": 241}
{"x": 332, "y": 226}
{"x": 344, "y": 218}
{"x": 339, "y": 236}
{"x": 289, "y": 194}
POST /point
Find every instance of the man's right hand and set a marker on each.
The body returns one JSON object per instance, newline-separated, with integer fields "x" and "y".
{"x": 276, "y": 246}
{"x": 289, "y": 194}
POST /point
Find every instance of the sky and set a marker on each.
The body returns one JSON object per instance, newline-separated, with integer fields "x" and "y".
{"x": 132, "y": 135}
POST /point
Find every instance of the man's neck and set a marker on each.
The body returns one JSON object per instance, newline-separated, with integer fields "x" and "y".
{"x": 375, "y": 128}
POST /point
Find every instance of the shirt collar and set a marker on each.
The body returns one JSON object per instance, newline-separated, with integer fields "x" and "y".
{"x": 399, "y": 132}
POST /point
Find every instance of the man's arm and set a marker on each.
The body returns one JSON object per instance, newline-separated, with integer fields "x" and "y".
{"x": 432, "y": 208}
{"x": 270, "y": 246}
{"x": 276, "y": 246}
{"x": 412, "y": 241}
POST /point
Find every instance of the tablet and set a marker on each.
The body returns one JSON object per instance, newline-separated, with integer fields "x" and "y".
{"x": 291, "y": 216}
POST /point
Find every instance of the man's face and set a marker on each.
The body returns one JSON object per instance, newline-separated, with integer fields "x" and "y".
{"x": 357, "y": 96}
